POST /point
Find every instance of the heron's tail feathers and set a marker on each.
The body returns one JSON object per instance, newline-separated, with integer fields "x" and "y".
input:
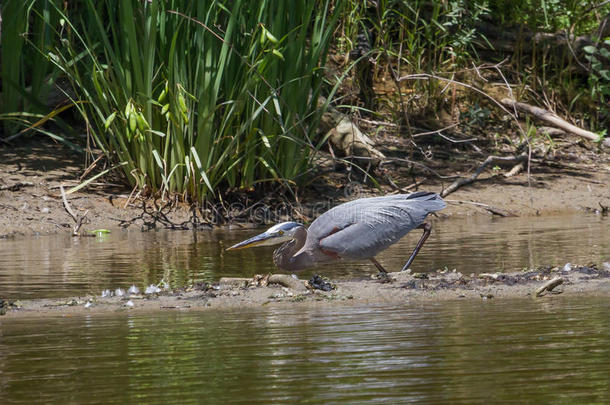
{"x": 433, "y": 201}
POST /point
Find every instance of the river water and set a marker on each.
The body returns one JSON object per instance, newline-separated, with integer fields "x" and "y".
{"x": 520, "y": 351}
{"x": 550, "y": 350}
{"x": 59, "y": 266}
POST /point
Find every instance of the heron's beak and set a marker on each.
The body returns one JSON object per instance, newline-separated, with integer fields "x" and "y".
{"x": 253, "y": 241}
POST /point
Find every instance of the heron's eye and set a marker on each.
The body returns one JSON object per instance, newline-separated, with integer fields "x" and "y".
{"x": 280, "y": 232}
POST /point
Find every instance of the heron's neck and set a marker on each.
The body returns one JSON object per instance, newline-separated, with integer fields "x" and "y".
{"x": 283, "y": 255}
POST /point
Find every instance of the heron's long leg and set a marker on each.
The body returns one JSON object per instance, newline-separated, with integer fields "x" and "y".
{"x": 381, "y": 269}
{"x": 427, "y": 228}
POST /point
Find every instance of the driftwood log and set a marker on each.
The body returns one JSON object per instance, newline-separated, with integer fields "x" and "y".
{"x": 548, "y": 286}
{"x": 552, "y": 119}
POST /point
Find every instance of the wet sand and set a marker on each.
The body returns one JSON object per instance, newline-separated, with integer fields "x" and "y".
{"x": 284, "y": 290}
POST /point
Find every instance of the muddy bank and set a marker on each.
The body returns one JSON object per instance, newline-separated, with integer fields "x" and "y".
{"x": 31, "y": 203}
{"x": 284, "y": 290}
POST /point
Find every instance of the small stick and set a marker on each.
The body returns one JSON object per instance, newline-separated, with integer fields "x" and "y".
{"x": 490, "y": 208}
{"x": 91, "y": 167}
{"x": 489, "y": 161}
{"x": 548, "y": 286}
{"x": 78, "y": 219}
{"x": 67, "y": 205}
{"x": 407, "y": 188}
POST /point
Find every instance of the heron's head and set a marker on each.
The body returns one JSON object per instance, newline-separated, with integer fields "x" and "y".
{"x": 279, "y": 233}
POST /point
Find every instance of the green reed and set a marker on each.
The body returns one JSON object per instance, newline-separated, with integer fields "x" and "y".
{"x": 199, "y": 97}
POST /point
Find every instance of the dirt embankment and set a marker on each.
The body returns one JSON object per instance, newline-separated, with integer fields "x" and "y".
{"x": 31, "y": 203}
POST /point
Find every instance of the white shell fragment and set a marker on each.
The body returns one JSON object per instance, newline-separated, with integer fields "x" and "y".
{"x": 152, "y": 289}
{"x": 107, "y": 294}
{"x": 129, "y": 304}
{"x": 134, "y": 290}
{"x": 119, "y": 292}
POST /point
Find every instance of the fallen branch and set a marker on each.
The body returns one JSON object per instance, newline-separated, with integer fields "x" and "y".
{"x": 554, "y": 120}
{"x": 439, "y": 132}
{"x": 489, "y": 161}
{"x": 91, "y": 167}
{"x": 548, "y": 286}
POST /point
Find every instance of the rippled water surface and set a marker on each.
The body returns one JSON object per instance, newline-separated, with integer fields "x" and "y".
{"x": 554, "y": 350}
{"x": 56, "y": 266}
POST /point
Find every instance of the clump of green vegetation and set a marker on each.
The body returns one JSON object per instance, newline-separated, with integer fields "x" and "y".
{"x": 447, "y": 40}
{"x": 27, "y": 76}
{"x": 201, "y": 98}
{"x": 195, "y": 97}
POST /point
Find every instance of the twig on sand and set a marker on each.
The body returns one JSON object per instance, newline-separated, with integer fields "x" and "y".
{"x": 548, "y": 286}
{"x": 398, "y": 189}
{"x": 490, "y": 208}
{"x": 78, "y": 219}
{"x": 489, "y": 161}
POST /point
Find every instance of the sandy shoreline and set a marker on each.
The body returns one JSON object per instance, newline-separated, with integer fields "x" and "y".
{"x": 283, "y": 290}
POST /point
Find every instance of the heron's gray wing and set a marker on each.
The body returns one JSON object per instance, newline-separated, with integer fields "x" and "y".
{"x": 362, "y": 228}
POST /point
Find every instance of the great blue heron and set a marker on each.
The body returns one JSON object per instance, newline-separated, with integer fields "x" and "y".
{"x": 356, "y": 230}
